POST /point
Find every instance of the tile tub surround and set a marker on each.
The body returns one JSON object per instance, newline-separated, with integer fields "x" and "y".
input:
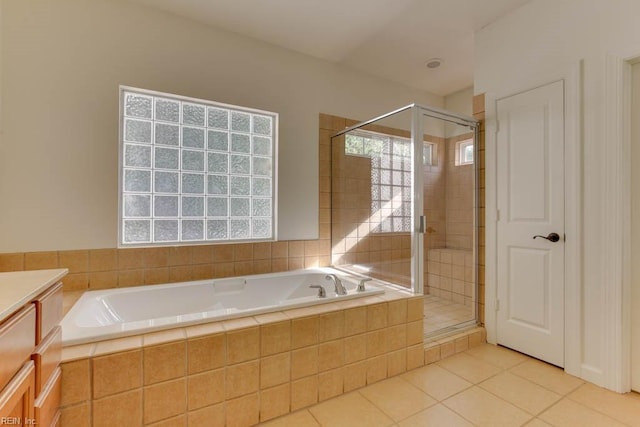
{"x": 243, "y": 371}
{"x": 112, "y": 268}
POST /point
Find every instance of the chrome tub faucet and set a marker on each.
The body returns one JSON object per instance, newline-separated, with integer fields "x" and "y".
{"x": 340, "y": 290}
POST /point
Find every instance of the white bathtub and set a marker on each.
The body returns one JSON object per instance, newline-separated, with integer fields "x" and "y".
{"x": 99, "y": 315}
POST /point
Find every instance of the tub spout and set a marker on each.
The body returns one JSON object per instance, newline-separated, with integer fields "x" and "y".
{"x": 340, "y": 290}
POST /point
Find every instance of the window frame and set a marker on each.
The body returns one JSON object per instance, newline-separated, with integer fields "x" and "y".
{"x": 123, "y": 90}
{"x": 433, "y": 151}
{"x": 461, "y": 147}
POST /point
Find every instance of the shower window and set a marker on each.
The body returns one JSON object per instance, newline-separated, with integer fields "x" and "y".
{"x": 429, "y": 154}
{"x": 194, "y": 170}
{"x": 464, "y": 152}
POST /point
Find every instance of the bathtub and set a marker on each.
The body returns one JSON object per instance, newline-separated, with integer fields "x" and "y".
{"x": 112, "y": 313}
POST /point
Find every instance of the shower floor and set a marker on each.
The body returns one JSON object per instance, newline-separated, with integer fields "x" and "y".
{"x": 440, "y": 313}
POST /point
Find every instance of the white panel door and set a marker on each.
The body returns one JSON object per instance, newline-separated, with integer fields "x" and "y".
{"x": 530, "y": 162}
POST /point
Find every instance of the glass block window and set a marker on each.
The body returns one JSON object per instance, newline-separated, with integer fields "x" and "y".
{"x": 195, "y": 170}
{"x": 391, "y": 175}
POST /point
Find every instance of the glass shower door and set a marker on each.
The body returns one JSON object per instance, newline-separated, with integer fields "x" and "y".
{"x": 403, "y": 208}
{"x": 449, "y": 239}
{"x": 372, "y": 181}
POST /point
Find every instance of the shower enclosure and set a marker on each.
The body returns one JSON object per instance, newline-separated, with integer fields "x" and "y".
{"x": 403, "y": 208}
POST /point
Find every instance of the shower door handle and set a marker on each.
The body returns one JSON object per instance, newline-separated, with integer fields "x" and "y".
{"x": 422, "y": 224}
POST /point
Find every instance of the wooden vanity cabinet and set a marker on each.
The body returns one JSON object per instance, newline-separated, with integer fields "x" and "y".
{"x": 17, "y": 398}
{"x": 31, "y": 351}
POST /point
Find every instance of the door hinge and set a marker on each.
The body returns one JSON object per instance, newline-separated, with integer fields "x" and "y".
{"x": 497, "y": 305}
{"x": 497, "y": 214}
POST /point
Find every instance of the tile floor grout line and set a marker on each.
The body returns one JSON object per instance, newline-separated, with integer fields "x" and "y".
{"x": 411, "y": 385}
{"x": 453, "y": 410}
{"x": 531, "y": 417}
{"x": 593, "y": 409}
{"x": 582, "y": 382}
{"x": 374, "y": 404}
{"x": 308, "y": 409}
{"x": 529, "y": 381}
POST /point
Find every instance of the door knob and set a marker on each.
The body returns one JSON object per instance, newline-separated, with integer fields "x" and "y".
{"x": 552, "y": 237}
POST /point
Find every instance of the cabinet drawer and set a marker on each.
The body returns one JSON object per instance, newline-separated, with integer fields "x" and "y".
{"x": 48, "y": 404}
{"x": 49, "y": 311}
{"x": 47, "y": 357}
{"x": 16, "y": 400}
{"x": 17, "y": 341}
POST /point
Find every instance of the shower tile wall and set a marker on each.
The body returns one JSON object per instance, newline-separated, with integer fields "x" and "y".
{"x": 459, "y": 194}
{"x": 450, "y": 275}
{"x": 452, "y": 239}
{"x": 435, "y": 197}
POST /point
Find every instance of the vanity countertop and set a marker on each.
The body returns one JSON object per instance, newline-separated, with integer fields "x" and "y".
{"x": 18, "y": 288}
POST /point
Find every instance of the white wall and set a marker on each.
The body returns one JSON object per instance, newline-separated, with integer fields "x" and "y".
{"x": 61, "y": 64}
{"x": 459, "y": 102}
{"x": 532, "y": 46}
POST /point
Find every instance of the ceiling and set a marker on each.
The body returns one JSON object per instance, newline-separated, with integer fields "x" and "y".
{"x": 392, "y": 39}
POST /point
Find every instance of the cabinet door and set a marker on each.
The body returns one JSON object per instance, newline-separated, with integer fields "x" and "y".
{"x": 17, "y": 340}
{"x": 48, "y": 404}
{"x": 49, "y": 311}
{"x": 47, "y": 357}
{"x": 16, "y": 400}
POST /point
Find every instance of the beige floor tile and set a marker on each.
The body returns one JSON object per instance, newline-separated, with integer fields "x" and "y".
{"x": 500, "y": 356}
{"x": 622, "y": 407}
{"x": 536, "y": 422}
{"x": 436, "y": 381}
{"x": 397, "y": 398}
{"x": 484, "y": 409}
{"x": 548, "y": 376}
{"x": 349, "y": 410}
{"x": 522, "y": 393}
{"x": 471, "y": 369}
{"x": 297, "y": 419}
{"x": 568, "y": 413}
{"x": 440, "y": 313}
{"x": 438, "y": 415}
